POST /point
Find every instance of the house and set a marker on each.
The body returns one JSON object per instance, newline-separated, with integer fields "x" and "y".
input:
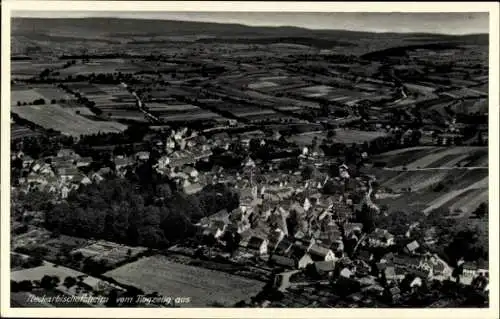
{"x": 66, "y": 153}
{"x": 410, "y": 248}
{"x": 362, "y": 268}
{"x": 346, "y": 273}
{"x": 283, "y": 261}
{"x": 482, "y": 268}
{"x": 393, "y": 274}
{"x": 416, "y": 282}
{"x": 96, "y": 178}
{"x": 85, "y": 180}
{"x": 407, "y": 262}
{"x": 103, "y": 171}
{"x": 216, "y": 228}
{"x": 192, "y": 188}
{"x": 337, "y": 246}
{"x": 284, "y": 247}
{"x": 392, "y": 294}
{"x": 275, "y": 237}
{"x": 83, "y": 161}
{"x": 163, "y": 162}
{"x": 380, "y": 238}
{"x": 258, "y": 245}
{"x": 469, "y": 269}
{"x": 365, "y": 255}
{"x": 353, "y": 228}
{"x": 191, "y": 172}
{"x": 212, "y": 232}
{"x": 27, "y": 161}
{"x": 65, "y": 191}
{"x": 324, "y": 267}
{"x": 304, "y": 261}
{"x": 67, "y": 174}
{"x": 121, "y": 162}
{"x": 320, "y": 253}
{"x": 142, "y": 156}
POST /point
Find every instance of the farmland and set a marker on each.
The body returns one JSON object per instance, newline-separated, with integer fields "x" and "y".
{"x": 18, "y": 131}
{"x": 180, "y": 112}
{"x": 28, "y": 69}
{"x": 173, "y": 279}
{"x": 436, "y": 177}
{"x": 103, "y": 66}
{"x": 347, "y": 136}
{"x": 63, "y": 120}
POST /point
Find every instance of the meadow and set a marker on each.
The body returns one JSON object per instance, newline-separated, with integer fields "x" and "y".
{"x": 172, "y": 279}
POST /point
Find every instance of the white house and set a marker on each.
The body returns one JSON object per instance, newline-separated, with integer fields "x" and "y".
{"x": 305, "y": 260}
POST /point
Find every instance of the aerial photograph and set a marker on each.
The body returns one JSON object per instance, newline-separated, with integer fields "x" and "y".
{"x": 249, "y": 159}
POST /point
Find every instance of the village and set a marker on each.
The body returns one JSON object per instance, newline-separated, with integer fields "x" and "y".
{"x": 286, "y": 231}
{"x": 258, "y": 167}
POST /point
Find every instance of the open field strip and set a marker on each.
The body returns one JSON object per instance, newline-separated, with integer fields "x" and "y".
{"x": 449, "y": 196}
{"x": 64, "y": 120}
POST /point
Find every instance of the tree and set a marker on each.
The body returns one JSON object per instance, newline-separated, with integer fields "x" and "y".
{"x": 307, "y": 172}
{"x": 49, "y": 282}
{"x": 53, "y": 101}
{"x": 481, "y": 210}
{"x": 69, "y": 282}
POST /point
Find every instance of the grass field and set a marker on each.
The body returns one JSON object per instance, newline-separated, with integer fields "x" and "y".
{"x": 64, "y": 120}
{"x": 167, "y": 278}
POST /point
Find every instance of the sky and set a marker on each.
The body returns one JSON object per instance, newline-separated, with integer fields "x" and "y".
{"x": 444, "y": 23}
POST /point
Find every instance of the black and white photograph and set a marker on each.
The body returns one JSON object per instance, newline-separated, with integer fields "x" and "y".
{"x": 246, "y": 159}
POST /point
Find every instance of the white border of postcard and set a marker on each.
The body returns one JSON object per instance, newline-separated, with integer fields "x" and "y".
{"x": 207, "y": 6}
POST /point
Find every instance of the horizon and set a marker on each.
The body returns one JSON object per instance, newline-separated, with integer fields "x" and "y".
{"x": 457, "y": 24}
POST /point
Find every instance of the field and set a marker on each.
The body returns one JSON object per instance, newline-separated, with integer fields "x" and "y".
{"x": 103, "y": 66}
{"x": 345, "y": 136}
{"x": 177, "y": 280}
{"x": 431, "y": 156}
{"x": 114, "y": 100}
{"x": 27, "y": 69}
{"x": 451, "y": 178}
{"x": 180, "y": 112}
{"x": 20, "y": 131}
{"x": 47, "y": 268}
{"x": 55, "y": 117}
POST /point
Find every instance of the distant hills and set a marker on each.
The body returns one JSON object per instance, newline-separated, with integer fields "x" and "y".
{"x": 134, "y": 29}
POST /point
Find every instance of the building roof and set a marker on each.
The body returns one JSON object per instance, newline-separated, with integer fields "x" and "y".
{"x": 324, "y": 266}
{"x": 390, "y": 272}
{"x": 283, "y": 247}
{"x": 412, "y": 246}
{"x": 319, "y": 250}
{"x": 364, "y": 255}
{"x": 406, "y": 261}
{"x": 255, "y": 242}
{"x": 283, "y": 261}
{"x": 469, "y": 266}
{"x": 394, "y": 291}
